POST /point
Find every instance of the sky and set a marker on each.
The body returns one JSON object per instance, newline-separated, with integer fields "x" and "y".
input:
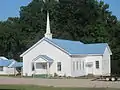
{"x": 11, "y": 8}
{"x": 114, "y": 6}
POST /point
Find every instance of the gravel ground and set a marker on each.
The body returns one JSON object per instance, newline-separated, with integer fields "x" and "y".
{"x": 59, "y": 82}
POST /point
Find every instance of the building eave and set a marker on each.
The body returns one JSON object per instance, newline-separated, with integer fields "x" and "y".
{"x": 86, "y": 54}
{"x": 108, "y": 49}
{"x": 49, "y": 41}
{"x": 62, "y": 49}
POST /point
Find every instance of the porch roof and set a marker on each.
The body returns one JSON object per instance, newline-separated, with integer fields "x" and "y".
{"x": 4, "y": 62}
{"x": 16, "y": 65}
{"x": 44, "y": 57}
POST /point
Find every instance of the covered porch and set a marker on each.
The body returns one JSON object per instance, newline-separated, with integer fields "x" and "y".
{"x": 41, "y": 65}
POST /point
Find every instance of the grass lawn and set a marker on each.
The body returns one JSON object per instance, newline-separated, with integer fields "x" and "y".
{"x": 32, "y": 87}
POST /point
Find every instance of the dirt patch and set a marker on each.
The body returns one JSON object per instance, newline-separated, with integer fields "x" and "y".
{"x": 59, "y": 82}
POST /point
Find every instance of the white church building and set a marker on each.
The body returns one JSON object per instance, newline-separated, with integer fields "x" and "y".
{"x": 66, "y": 57}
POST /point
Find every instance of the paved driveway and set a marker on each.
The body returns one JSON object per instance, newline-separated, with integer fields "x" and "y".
{"x": 59, "y": 82}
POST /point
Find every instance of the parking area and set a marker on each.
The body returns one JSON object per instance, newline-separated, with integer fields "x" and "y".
{"x": 59, "y": 82}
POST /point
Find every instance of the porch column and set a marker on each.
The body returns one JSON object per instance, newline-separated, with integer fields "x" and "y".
{"x": 14, "y": 71}
{"x": 48, "y": 69}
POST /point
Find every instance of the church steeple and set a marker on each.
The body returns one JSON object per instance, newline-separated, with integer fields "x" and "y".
{"x": 48, "y": 33}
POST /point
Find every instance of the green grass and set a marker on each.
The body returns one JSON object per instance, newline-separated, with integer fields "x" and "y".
{"x": 32, "y": 87}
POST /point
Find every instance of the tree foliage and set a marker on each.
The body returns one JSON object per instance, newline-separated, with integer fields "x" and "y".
{"x": 88, "y": 21}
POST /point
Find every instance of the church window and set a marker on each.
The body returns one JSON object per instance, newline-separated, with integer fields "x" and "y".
{"x": 97, "y": 64}
{"x": 59, "y": 66}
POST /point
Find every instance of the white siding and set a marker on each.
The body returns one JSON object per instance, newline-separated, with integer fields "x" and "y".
{"x": 44, "y": 48}
{"x": 7, "y": 71}
{"x": 78, "y": 66}
{"x": 106, "y": 65}
{"x": 93, "y": 70}
{"x": 87, "y": 70}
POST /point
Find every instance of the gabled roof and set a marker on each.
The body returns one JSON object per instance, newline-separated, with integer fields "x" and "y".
{"x": 74, "y": 47}
{"x": 5, "y": 62}
{"x": 77, "y": 47}
{"x": 66, "y": 42}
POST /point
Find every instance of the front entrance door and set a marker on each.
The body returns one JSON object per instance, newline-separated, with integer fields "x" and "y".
{"x": 90, "y": 67}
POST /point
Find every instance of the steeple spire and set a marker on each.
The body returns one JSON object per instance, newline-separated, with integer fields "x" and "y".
{"x": 48, "y": 33}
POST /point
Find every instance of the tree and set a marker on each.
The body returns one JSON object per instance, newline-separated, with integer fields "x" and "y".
{"x": 11, "y": 38}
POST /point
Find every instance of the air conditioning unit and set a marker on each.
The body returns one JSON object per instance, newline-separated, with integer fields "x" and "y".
{"x": 89, "y": 64}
